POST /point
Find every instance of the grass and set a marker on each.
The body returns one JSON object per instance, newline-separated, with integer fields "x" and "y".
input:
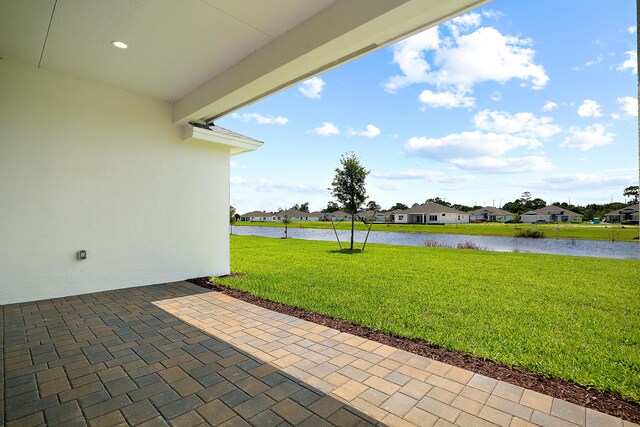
{"x": 569, "y": 317}
{"x": 562, "y": 231}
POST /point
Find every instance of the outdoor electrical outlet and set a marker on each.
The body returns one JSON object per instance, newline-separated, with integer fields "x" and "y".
{"x": 81, "y": 255}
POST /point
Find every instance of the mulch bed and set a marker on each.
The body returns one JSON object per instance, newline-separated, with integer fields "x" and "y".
{"x": 589, "y": 398}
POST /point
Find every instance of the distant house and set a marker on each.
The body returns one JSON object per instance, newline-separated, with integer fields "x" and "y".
{"x": 338, "y": 216}
{"x": 490, "y": 214}
{"x": 367, "y": 216}
{"x": 294, "y": 215}
{"x": 256, "y": 216}
{"x": 630, "y": 213}
{"x": 430, "y": 213}
{"x": 551, "y": 213}
{"x": 382, "y": 217}
{"x": 394, "y": 215}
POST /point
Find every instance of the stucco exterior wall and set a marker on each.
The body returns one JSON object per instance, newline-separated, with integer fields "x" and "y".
{"x": 88, "y": 167}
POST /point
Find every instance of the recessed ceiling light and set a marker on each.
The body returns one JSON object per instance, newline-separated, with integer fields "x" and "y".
{"x": 119, "y": 44}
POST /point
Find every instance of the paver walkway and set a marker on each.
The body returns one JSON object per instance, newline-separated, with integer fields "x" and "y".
{"x": 181, "y": 355}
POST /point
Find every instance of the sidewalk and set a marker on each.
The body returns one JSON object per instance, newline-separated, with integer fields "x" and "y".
{"x": 391, "y": 386}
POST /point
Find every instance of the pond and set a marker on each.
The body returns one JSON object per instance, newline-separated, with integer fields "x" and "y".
{"x": 592, "y": 248}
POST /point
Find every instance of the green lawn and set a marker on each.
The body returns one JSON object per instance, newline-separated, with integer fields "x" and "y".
{"x": 569, "y": 317}
{"x": 563, "y": 231}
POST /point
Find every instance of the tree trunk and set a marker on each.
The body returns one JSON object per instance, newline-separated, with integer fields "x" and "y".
{"x": 352, "y": 222}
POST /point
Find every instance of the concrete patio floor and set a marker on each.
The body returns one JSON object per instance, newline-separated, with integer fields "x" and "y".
{"x": 177, "y": 354}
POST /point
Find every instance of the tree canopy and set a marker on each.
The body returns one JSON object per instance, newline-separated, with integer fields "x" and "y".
{"x": 349, "y": 186}
{"x": 331, "y": 207}
{"x": 632, "y": 193}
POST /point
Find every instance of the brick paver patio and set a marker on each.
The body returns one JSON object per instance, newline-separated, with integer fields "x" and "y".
{"x": 180, "y": 355}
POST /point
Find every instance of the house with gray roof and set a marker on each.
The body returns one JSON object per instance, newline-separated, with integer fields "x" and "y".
{"x": 551, "y": 213}
{"x": 337, "y": 216}
{"x": 293, "y": 214}
{"x": 630, "y": 213}
{"x": 430, "y": 213}
{"x": 490, "y": 214}
{"x": 256, "y": 216}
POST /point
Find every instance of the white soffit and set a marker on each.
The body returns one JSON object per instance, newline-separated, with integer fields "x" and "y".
{"x": 235, "y": 142}
{"x": 208, "y": 57}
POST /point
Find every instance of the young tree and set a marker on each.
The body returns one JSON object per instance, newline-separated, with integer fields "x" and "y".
{"x": 286, "y": 220}
{"x": 348, "y": 186}
{"x": 232, "y": 217}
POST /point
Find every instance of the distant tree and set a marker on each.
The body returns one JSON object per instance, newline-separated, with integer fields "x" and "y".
{"x": 524, "y": 204}
{"x": 632, "y": 193}
{"x": 286, "y": 220}
{"x": 331, "y": 207}
{"x": 526, "y": 196}
{"x": 439, "y": 201}
{"x": 349, "y": 186}
{"x": 304, "y": 207}
{"x": 534, "y": 204}
{"x": 515, "y": 207}
{"x": 373, "y": 206}
{"x": 399, "y": 206}
{"x": 233, "y": 217}
{"x": 464, "y": 208}
{"x": 295, "y": 207}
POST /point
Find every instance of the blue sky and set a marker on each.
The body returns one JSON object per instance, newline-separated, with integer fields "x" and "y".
{"x": 515, "y": 96}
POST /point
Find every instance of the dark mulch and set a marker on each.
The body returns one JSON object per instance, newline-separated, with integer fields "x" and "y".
{"x": 589, "y": 398}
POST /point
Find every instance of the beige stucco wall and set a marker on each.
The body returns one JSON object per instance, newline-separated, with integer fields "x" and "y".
{"x": 85, "y": 166}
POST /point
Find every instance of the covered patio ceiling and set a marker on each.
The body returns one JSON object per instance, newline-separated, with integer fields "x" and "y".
{"x": 207, "y": 57}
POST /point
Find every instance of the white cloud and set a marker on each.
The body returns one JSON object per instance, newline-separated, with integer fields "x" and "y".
{"x": 266, "y": 185}
{"x": 587, "y": 138}
{"x": 370, "y": 132}
{"x": 463, "y": 23}
{"x": 389, "y": 186}
{"x": 589, "y": 108}
{"x": 260, "y": 119}
{"x": 467, "y": 145}
{"x": 428, "y": 175}
{"x": 617, "y": 179}
{"x": 549, "y": 105}
{"x": 237, "y": 180}
{"x": 480, "y": 151}
{"x": 488, "y": 55}
{"x": 632, "y": 29}
{"x": 327, "y": 129}
{"x": 590, "y": 62}
{"x": 409, "y": 55}
{"x": 615, "y": 116}
{"x": 446, "y": 100}
{"x": 461, "y": 61}
{"x": 506, "y": 164}
{"x": 312, "y": 88}
{"x": 631, "y": 63}
{"x": 629, "y": 105}
{"x": 521, "y": 124}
